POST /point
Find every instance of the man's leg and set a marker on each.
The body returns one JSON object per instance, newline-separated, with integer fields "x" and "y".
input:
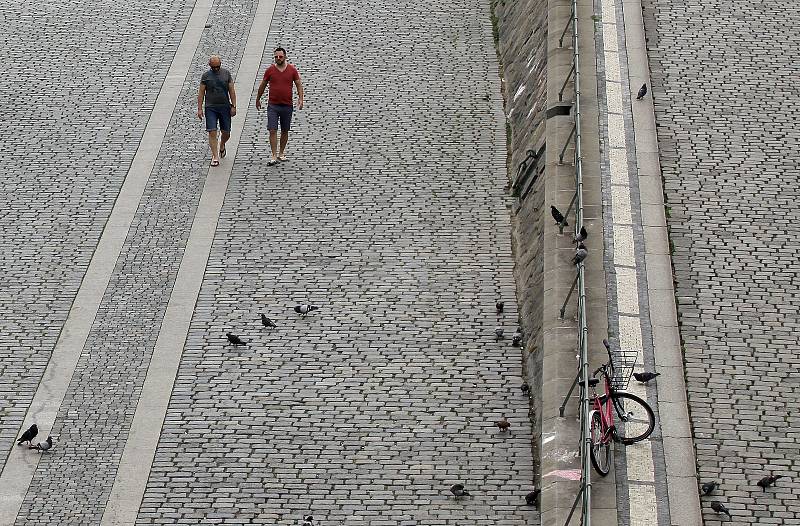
{"x": 284, "y": 140}
{"x": 273, "y": 143}
{"x": 286, "y": 122}
{"x": 272, "y": 126}
{"x": 225, "y": 136}
{"x": 212, "y": 142}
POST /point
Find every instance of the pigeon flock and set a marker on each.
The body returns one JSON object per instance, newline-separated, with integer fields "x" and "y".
{"x": 708, "y": 488}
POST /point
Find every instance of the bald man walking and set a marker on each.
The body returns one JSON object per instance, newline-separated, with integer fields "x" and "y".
{"x": 219, "y": 96}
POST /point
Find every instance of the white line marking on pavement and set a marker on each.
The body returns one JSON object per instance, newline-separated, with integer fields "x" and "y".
{"x": 140, "y": 448}
{"x": 19, "y": 467}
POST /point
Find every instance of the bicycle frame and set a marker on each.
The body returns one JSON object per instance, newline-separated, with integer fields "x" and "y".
{"x": 606, "y": 408}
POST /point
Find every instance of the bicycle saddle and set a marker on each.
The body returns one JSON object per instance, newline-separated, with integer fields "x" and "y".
{"x": 593, "y": 381}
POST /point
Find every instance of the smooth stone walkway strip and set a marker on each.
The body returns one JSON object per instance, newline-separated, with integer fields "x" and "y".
{"x": 137, "y": 457}
{"x": 19, "y": 467}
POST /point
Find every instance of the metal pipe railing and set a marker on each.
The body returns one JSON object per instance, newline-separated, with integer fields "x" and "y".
{"x": 584, "y": 495}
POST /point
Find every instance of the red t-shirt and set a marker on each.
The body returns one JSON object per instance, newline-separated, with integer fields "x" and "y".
{"x": 280, "y": 83}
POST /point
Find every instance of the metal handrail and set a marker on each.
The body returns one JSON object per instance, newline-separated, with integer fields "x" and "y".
{"x": 582, "y": 378}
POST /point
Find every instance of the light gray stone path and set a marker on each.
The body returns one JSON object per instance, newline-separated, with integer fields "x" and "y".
{"x": 656, "y": 477}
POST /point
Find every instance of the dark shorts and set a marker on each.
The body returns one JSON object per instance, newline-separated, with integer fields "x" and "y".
{"x": 218, "y": 114}
{"x": 279, "y": 112}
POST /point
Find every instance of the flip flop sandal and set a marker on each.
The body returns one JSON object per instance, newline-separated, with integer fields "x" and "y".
{"x": 282, "y": 158}
{"x": 214, "y": 162}
{"x": 272, "y": 162}
{"x": 223, "y": 152}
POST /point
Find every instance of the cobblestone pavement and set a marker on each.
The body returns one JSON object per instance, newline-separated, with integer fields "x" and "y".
{"x": 391, "y": 214}
{"x": 75, "y": 101}
{"x": 727, "y": 102}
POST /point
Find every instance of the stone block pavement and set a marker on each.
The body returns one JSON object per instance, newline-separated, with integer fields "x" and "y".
{"x": 392, "y": 214}
{"x": 726, "y": 99}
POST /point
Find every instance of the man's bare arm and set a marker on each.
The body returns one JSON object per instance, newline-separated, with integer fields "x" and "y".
{"x": 261, "y": 88}
{"x": 232, "y": 95}
{"x": 201, "y": 94}
{"x": 300, "y": 93}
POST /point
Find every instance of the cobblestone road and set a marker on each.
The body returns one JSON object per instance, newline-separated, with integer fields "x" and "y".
{"x": 391, "y": 214}
{"x": 76, "y": 96}
{"x": 725, "y": 84}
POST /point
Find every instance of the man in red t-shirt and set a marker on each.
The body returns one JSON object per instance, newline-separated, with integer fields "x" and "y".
{"x": 280, "y": 77}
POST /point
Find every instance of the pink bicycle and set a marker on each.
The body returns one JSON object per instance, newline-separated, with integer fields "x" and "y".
{"x": 636, "y": 418}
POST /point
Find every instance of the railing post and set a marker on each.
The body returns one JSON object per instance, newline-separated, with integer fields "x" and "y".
{"x": 569, "y": 393}
{"x": 569, "y": 75}
{"x": 564, "y": 149}
{"x": 571, "y": 289}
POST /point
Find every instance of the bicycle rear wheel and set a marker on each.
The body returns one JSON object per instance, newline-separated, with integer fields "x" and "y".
{"x": 637, "y": 420}
{"x": 601, "y": 445}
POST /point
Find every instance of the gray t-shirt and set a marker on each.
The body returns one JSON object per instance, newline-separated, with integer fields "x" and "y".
{"x": 216, "y": 83}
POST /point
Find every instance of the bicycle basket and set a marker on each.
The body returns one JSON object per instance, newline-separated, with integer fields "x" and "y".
{"x": 623, "y": 361}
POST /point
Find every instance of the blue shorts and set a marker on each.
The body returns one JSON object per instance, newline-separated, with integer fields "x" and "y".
{"x": 279, "y": 112}
{"x": 218, "y": 114}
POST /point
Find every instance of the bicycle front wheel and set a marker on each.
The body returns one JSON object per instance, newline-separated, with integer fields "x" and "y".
{"x": 637, "y": 420}
{"x": 601, "y": 445}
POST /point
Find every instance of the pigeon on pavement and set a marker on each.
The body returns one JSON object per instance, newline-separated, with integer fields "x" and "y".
{"x": 532, "y": 497}
{"x": 308, "y": 520}
{"x": 235, "y": 340}
{"x": 642, "y": 92}
{"x": 28, "y": 435}
{"x": 720, "y": 508}
{"x": 458, "y": 491}
{"x": 516, "y": 338}
{"x": 43, "y": 446}
{"x": 645, "y": 376}
{"x": 503, "y": 424}
{"x": 499, "y": 306}
{"x": 525, "y": 388}
{"x": 768, "y": 481}
{"x": 498, "y": 332}
{"x": 558, "y": 216}
{"x": 305, "y": 309}
{"x": 266, "y": 322}
{"x": 709, "y": 487}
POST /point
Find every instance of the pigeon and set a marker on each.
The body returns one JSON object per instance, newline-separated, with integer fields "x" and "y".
{"x": 266, "y": 322}
{"x": 304, "y": 309}
{"x": 532, "y": 497}
{"x": 43, "y": 446}
{"x": 720, "y": 508}
{"x": 645, "y": 376}
{"x": 525, "y": 388}
{"x": 308, "y": 520}
{"x": 558, "y": 217}
{"x": 580, "y": 254}
{"x": 458, "y": 491}
{"x": 503, "y": 424}
{"x": 235, "y": 340}
{"x": 499, "y": 306}
{"x": 498, "y": 331}
{"x": 768, "y": 481}
{"x": 581, "y": 236}
{"x": 708, "y": 488}
{"x": 642, "y": 92}
{"x": 516, "y": 339}
{"x": 28, "y": 435}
